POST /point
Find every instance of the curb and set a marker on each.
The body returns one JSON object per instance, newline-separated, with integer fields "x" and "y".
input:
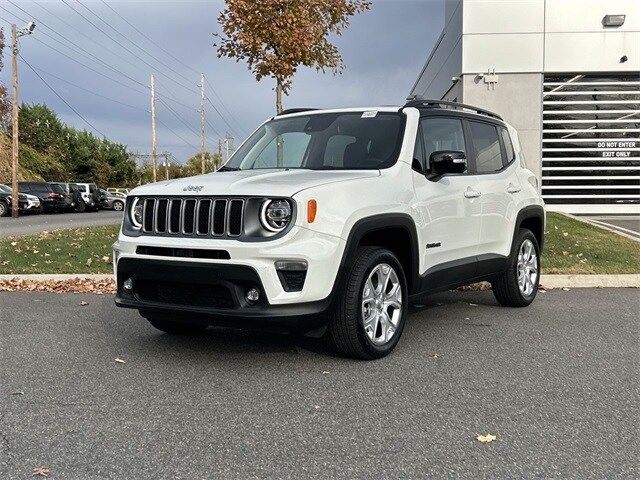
{"x": 590, "y": 281}
{"x": 44, "y": 277}
{"x": 547, "y": 281}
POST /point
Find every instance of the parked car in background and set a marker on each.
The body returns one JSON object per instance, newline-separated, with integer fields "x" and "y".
{"x": 122, "y": 191}
{"x": 90, "y": 196}
{"x": 51, "y": 200}
{"x": 68, "y": 198}
{"x": 72, "y": 191}
{"x": 111, "y": 201}
{"x": 26, "y": 203}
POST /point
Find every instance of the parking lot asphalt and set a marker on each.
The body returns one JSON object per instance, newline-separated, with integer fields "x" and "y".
{"x": 628, "y": 224}
{"x": 27, "y": 224}
{"x": 557, "y": 384}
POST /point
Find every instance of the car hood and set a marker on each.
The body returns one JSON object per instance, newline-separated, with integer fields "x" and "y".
{"x": 277, "y": 183}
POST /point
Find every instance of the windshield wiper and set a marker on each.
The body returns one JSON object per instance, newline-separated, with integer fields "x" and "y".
{"x": 224, "y": 168}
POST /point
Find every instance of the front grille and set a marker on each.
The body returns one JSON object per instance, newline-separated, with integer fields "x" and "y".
{"x": 194, "y": 216}
{"x": 188, "y": 294}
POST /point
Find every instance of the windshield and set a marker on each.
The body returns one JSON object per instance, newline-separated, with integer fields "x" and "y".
{"x": 57, "y": 188}
{"x": 326, "y": 141}
{"x": 5, "y": 189}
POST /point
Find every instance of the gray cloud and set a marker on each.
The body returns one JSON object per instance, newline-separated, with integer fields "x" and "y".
{"x": 383, "y": 51}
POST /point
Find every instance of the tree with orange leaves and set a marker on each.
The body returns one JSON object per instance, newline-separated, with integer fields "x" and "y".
{"x": 275, "y": 37}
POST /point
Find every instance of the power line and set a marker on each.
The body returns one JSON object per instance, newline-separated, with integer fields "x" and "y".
{"x": 145, "y": 52}
{"x": 178, "y": 117}
{"x": 60, "y": 97}
{"x": 238, "y": 123}
{"x": 149, "y": 39}
{"x": 87, "y": 53}
{"x": 90, "y": 91}
{"x": 123, "y": 46}
{"x": 172, "y": 131}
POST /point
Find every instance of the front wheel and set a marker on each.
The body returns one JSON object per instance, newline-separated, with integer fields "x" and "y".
{"x": 518, "y": 285}
{"x": 4, "y": 209}
{"x": 369, "y": 316}
{"x": 118, "y": 206}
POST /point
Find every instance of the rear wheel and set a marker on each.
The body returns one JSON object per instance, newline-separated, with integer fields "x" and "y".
{"x": 175, "y": 328}
{"x": 368, "y": 318}
{"x": 4, "y": 209}
{"x": 81, "y": 206}
{"x": 118, "y": 206}
{"x": 518, "y": 285}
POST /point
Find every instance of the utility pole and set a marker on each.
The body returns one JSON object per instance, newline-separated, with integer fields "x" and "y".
{"x": 219, "y": 152}
{"x": 166, "y": 165}
{"x": 202, "y": 139}
{"x": 14, "y": 123}
{"x": 154, "y": 157}
{"x": 14, "y": 113}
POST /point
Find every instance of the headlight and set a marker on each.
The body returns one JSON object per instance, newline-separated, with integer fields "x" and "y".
{"x": 136, "y": 213}
{"x": 275, "y": 215}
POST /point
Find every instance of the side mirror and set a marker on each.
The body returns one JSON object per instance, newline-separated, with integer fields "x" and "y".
{"x": 444, "y": 162}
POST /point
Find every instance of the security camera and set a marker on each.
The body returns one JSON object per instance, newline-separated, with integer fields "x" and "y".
{"x": 31, "y": 26}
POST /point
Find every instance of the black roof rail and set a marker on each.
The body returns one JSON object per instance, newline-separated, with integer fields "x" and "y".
{"x": 418, "y": 102}
{"x": 295, "y": 110}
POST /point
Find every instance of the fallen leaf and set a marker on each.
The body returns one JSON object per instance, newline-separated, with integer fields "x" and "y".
{"x": 83, "y": 303}
{"x": 325, "y": 372}
{"x": 565, "y": 234}
{"x": 17, "y": 392}
{"x": 473, "y": 304}
{"x": 89, "y": 261}
{"x": 13, "y": 244}
{"x": 565, "y": 289}
{"x": 432, "y": 355}
{"x": 41, "y": 471}
{"x": 486, "y": 438}
{"x": 119, "y": 360}
{"x": 106, "y": 259}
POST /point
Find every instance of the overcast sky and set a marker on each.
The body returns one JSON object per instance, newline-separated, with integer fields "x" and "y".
{"x": 383, "y": 50}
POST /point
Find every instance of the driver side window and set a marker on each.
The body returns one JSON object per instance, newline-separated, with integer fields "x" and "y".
{"x": 441, "y": 133}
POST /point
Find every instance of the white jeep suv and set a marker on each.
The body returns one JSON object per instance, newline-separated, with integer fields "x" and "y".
{"x": 329, "y": 222}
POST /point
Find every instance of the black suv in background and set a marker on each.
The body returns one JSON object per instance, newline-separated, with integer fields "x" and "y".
{"x": 73, "y": 198}
{"x": 51, "y": 200}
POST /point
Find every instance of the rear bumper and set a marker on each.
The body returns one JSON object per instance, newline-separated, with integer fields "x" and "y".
{"x": 209, "y": 293}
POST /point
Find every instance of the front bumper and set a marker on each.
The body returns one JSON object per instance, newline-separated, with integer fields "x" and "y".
{"x": 210, "y": 294}
{"x": 245, "y": 265}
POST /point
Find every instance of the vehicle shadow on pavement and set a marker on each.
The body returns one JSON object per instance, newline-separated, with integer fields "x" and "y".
{"x": 225, "y": 342}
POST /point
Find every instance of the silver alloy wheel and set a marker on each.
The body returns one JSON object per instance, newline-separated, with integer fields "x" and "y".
{"x": 118, "y": 206}
{"x": 527, "y": 267}
{"x": 381, "y": 304}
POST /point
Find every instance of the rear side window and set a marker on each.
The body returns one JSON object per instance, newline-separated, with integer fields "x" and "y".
{"x": 441, "y": 133}
{"x": 508, "y": 146}
{"x": 40, "y": 188}
{"x": 486, "y": 146}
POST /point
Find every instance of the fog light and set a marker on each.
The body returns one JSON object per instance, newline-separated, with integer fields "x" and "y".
{"x": 127, "y": 284}
{"x": 252, "y": 295}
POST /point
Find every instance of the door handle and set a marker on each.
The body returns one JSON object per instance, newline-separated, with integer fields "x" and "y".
{"x": 513, "y": 189}
{"x": 471, "y": 193}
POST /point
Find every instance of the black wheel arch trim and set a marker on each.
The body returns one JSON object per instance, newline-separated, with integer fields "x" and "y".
{"x": 375, "y": 223}
{"x": 530, "y": 211}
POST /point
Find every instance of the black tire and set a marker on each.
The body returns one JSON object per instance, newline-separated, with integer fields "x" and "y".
{"x": 80, "y": 206}
{"x": 175, "y": 328}
{"x": 505, "y": 288}
{"x": 4, "y": 209}
{"x": 346, "y": 330}
{"x": 118, "y": 206}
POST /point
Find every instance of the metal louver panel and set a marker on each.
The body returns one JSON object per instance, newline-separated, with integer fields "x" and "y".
{"x": 591, "y": 143}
